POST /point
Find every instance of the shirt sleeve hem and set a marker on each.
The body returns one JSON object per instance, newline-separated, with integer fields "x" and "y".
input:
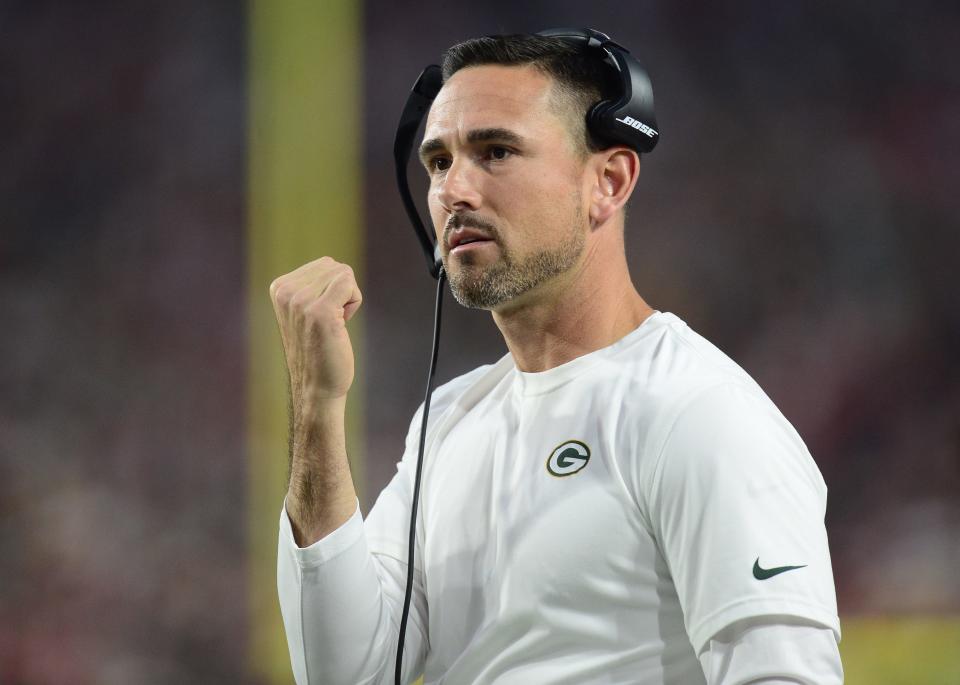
{"x": 326, "y": 548}
{"x": 766, "y": 606}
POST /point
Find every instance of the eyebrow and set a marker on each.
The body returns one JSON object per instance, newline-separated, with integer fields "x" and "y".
{"x": 477, "y": 135}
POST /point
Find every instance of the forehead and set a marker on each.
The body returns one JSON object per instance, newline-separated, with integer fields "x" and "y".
{"x": 491, "y": 96}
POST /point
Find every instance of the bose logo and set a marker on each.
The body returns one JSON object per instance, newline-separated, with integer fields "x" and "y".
{"x": 568, "y": 458}
{"x": 643, "y": 128}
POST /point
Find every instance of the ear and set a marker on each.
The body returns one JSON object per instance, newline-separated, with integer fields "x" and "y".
{"x": 615, "y": 174}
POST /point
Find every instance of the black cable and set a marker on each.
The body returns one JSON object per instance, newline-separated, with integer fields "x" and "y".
{"x": 416, "y": 483}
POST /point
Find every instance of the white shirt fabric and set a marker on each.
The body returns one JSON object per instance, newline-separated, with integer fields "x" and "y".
{"x": 604, "y": 521}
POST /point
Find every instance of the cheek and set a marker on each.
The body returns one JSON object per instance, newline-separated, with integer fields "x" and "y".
{"x": 540, "y": 199}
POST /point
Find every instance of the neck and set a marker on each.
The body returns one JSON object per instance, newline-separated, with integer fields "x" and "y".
{"x": 591, "y": 306}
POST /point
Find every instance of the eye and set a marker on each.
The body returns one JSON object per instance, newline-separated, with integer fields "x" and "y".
{"x": 439, "y": 164}
{"x": 498, "y": 153}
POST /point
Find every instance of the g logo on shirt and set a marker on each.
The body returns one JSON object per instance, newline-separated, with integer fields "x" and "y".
{"x": 568, "y": 458}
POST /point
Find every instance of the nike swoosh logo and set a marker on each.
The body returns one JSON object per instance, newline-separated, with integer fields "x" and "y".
{"x": 764, "y": 573}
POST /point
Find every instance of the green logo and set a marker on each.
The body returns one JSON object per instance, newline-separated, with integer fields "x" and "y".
{"x": 568, "y": 458}
{"x": 764, "y": 573}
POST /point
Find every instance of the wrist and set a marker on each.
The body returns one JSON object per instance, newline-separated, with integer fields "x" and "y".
{"x": 316, "y": 403}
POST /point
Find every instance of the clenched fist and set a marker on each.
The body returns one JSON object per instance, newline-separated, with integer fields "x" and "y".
{"x": 313, "y": 305}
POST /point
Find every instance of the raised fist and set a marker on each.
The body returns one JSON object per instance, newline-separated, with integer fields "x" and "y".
{"x": 313, "y": 304}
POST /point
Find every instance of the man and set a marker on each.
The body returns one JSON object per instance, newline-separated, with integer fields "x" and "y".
{"x": 614, "y": 501}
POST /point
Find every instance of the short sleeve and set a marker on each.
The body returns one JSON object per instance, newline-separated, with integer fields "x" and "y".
{"x": 737, "y": 505}
{"x": 772, "y": 649}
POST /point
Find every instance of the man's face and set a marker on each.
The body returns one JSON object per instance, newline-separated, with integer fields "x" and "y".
{"x": 503, "y": 172}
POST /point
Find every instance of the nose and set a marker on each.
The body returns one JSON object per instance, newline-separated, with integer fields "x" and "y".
{"x": 457, "y": 190}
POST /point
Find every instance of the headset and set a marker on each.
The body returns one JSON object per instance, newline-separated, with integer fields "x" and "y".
{"x": 626, "y": 119}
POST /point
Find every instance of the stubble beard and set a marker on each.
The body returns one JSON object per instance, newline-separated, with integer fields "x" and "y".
{"x": 488, "y": 287}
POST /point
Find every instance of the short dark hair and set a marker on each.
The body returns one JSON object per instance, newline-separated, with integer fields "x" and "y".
{"x": 580, "y": 79}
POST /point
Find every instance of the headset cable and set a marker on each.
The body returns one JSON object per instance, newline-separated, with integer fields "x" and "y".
{"x": 416, "y": 483}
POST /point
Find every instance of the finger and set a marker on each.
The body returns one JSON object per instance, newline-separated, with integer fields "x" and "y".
{"x": 316, "y": 272}
{"x": 343, "y": 292}
{"x": 350, "y": 308}
{"x": 308, "y": 286}
{"x": 319, "y": 275}
{"x": 338, "y": 296}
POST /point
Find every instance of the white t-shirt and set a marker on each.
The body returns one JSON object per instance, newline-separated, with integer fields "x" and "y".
{"x": 598, "y": 522}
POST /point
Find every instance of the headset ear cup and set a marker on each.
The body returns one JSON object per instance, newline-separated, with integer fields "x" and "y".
{"x": 628, "y": 118}
{"x": 609, "y": 126}
{"x": 596, "y": 128}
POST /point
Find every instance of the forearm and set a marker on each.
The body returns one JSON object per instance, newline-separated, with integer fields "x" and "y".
{"x": 321, "y": 496}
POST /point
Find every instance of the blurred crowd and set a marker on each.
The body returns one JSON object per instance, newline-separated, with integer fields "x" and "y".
{"x": 122, "y": 367}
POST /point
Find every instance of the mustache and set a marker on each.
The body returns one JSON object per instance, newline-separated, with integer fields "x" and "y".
{"x": 468, "y": 221}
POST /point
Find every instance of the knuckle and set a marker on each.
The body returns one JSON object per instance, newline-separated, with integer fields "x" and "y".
{"x": 278, "y": 293}
{"x": 342, "y": 271}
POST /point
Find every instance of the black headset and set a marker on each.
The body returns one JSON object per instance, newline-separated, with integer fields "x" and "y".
{"x": 628, "y": 119}
{"x": 625, "y": 120}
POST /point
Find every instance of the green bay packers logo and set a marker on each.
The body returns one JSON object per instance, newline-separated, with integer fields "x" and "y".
{"x": 568, "y": 458}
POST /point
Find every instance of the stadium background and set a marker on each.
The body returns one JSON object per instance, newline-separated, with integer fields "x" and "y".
{"x": 160, "y": 163}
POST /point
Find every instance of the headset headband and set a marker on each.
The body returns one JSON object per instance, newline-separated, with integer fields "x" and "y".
{"x": 421, "y": 97}
{"x": 628, "y": 120}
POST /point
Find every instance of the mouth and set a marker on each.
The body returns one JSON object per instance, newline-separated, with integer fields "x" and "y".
{"x": 463, "y": 239}
{"x": 470, "y": 244}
